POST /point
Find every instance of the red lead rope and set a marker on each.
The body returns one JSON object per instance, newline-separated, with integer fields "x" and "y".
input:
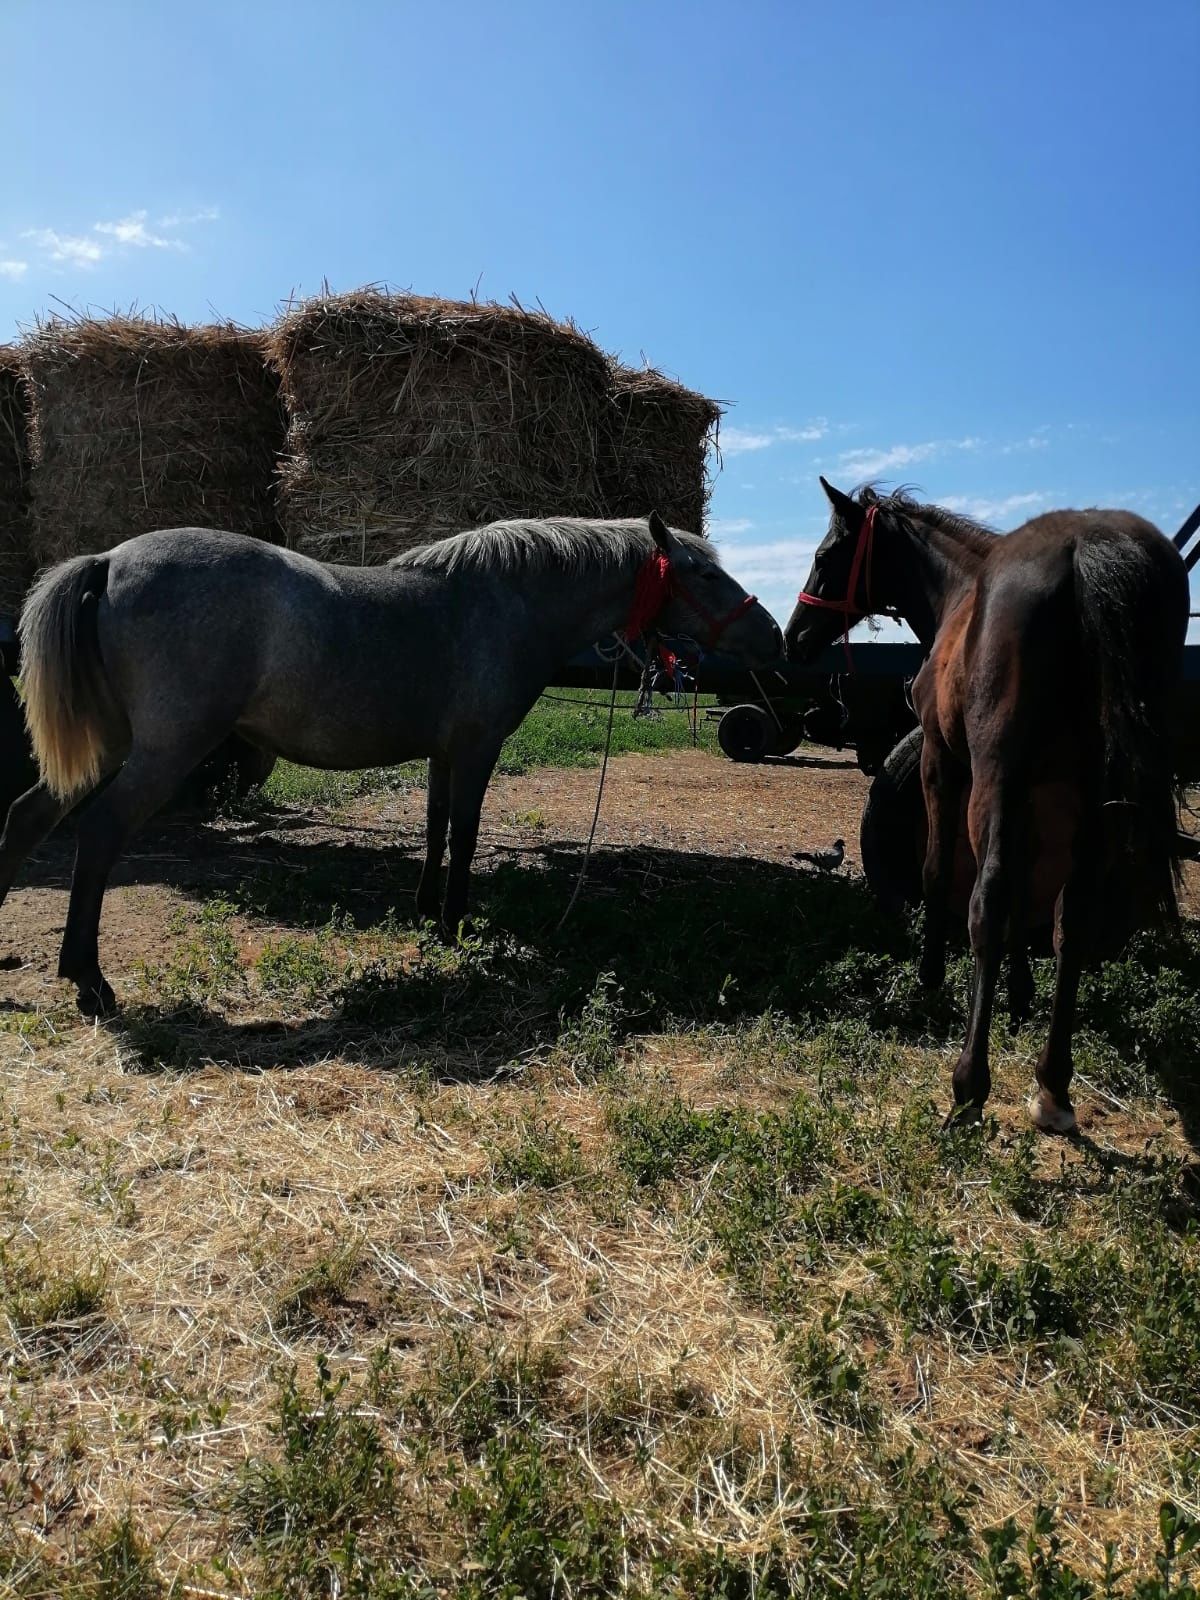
{"x": 863, "y": 554}
{"x": 656, "y": 583}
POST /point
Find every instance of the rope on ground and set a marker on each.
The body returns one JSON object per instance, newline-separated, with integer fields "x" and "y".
{"x": 587, "y": 854}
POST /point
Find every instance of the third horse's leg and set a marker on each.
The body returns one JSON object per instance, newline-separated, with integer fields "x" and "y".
{"x": 1020, "y": 973}
{"x": 31, "y": 817}
{"x": 988, "y": 821}
{"x": 437, "y": 820}
{"x": 942, "y": 780}
{"x": 1051, "y": 1107}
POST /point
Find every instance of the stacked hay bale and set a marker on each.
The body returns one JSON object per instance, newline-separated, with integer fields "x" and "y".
{"x": 657, "y": 447}
{"x": 413, "y": 418}
{"x": 141, "y": 423}
{"x": 16, "y": 556}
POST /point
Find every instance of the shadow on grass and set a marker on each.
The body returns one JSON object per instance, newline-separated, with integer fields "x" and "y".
{"x": 686, "y": 940}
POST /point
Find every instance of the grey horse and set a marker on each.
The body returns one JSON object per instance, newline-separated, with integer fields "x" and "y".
{"x": 146, "y": 658}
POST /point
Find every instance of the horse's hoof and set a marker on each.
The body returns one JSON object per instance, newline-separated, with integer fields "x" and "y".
{"x": 968, "y": 1116}
{"x": 97, "y": 1000}
{"x": 1047, "y": 1114}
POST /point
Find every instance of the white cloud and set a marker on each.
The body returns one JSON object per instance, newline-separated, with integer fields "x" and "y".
{"x": 781, "y": 563}
{"x": 1036, "y": 441}
{"x": 123, "y": 233}
{"x": 869, "y": 463}
{"x": 132, "y": 230}
{"x": 734, "y": 441}
{"x": 76, "y": 248}
{"x": 186, "y": 219}
{"x": 13, "y": 269}
{"x": 994, "y": 510}
{"x": 728, "y": 527}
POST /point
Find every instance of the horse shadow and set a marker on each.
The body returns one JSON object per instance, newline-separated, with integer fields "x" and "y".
{"x": 666, "y": 938}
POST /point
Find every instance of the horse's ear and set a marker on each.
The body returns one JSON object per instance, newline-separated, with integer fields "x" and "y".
{"x": 843, "y": 505}
{"x": 660, "y": 533}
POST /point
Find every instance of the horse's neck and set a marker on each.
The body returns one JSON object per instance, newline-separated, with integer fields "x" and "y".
{"x": 577, "y": 608}
{"x": 940, "y": 565}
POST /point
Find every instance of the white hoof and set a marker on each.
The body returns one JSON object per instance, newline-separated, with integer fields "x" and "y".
{"x": 1048, "y": 1115}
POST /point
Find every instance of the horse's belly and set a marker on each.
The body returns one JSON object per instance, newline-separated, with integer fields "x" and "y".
{"x": 335, "y": 743}
{"x": 1055, "y": 805}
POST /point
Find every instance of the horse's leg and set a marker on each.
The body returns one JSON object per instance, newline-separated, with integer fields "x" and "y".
{"x": 988, "y": 821}
{"x": 147, "y": 781}
{"x": 468, "y": 782}
{"x": 942, "y": 780}
{"x": 1078, "y": 908}
{"x": 1020, "y": 976}
{"x": 1020, "y": 973}
{"x": 437, "y": 820}
{"x": 31, "y": 817}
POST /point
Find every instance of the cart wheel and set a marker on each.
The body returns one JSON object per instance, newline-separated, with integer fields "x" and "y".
{"x": 787, "y": 733}
{"x": 892, "y": 837}
{"x": 746, "y": 733}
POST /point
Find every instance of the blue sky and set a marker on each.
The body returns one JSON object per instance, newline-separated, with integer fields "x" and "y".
{"x": 942, "y": 243}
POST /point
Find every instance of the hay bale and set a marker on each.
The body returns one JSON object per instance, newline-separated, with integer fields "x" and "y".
{"x": 16, "y": 556}
{"x": 141, "y": 423}
{"x": 413, "y": 418}
{"x": 657, "y": 445}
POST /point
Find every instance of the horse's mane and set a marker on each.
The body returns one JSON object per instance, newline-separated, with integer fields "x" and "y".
{"x": 563, "y": 544}
{"x": 977, "y": 536}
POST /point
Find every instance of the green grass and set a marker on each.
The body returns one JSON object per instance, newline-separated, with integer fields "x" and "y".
{"x": 554, "y": 734}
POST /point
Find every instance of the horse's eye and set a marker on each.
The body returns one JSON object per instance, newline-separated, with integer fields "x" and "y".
{"x": 710, "y": 576}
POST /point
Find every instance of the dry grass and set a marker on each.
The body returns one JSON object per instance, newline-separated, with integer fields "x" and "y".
{"x": 412, "y": 418}
{"x": 657, "y": 453}
{"x": 142, "y": 423}
{"x": 658, "y": 1287}
{"x": 204, "y": 1202}
{"x": 16, "y": 556}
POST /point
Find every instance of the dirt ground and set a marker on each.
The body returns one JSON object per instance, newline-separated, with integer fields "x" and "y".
{"x": 687, "y": 801}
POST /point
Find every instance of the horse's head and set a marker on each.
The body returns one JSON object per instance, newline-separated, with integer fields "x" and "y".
{"x": 848, "y": 579}
{"x": 704, "y": 603}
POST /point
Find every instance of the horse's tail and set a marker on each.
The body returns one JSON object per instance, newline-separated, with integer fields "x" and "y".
{"x": 68, "y": 703}
{"x": 1132, "y": 622}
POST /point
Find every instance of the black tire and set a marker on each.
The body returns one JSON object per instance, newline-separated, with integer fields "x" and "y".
{"x": 892, "y": 836}
{"x": 746, "y": 733}
{"x": 787, "y": 733}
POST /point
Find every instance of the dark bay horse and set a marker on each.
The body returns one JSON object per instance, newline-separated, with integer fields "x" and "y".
{"x": 146, "y": 658}
{"x": 1053, "y": 656}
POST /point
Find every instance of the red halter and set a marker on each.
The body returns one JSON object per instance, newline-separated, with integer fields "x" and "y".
{"x": 863, "y": 555}
{"x": 655, "y": 585}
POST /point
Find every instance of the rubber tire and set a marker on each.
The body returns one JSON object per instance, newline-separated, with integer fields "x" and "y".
{"x": 746, "y": 733}
{"x": 891, "y": 837}
{"x": 787, "y": 733}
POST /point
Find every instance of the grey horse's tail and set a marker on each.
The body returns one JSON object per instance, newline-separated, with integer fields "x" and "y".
{"x": 68, "y": 704}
